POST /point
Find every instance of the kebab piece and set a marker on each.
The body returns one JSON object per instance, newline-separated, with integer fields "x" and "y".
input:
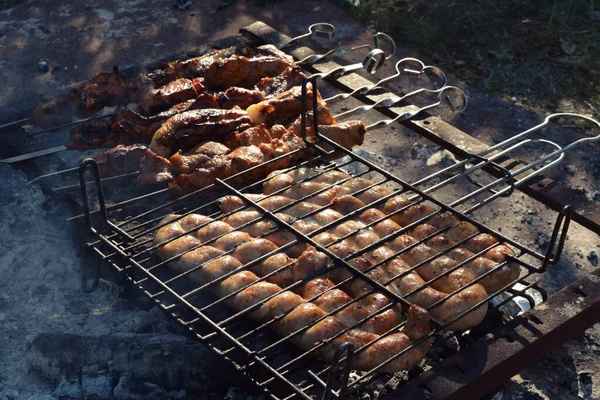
{"x": 191, "y": 127}
{"x": 246, "y": 157}
{"x": 292, "y": 312}
{"x": 120, "y": 159}
{"x": 104, "y": 89}
{"x": 239, "y": 66}
{"x": 171, "y": 94}
{"x": 128, "y": 127}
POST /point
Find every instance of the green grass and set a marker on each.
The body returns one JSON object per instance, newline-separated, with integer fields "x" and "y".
{"x": 546, "y": 54}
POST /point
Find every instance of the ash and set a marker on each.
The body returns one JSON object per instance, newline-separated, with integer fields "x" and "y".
{"x": 59, "y": 343}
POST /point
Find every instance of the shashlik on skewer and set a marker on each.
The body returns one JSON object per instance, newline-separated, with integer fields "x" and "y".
{"x": 240, "y": 66}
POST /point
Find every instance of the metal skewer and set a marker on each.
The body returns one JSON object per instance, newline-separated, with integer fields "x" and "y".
{"x": 320, "y": 29}
{"x": 339, "y": 52}
{"x": 392, "y": 101}
{"x": 370, "y": 63}
{"x": 419, "y": 69}
{"x": 443, "y": 97}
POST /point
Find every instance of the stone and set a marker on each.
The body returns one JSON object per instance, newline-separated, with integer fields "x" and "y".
{"x": 570, "y": 169}
{"x": 43, "y": 66}
{"x": 593, "y": 257}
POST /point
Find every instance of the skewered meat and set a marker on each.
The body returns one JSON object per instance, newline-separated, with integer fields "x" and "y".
{"x": 281, "y": 109}
{"x": 191, "y": 127}
{"x": 120, "y": 159}
{"x": 236, "y": 66}
{"x": 191, "y": 160}
{"x": 104, "y": 89}
{"x": 127, "y": 126}
{"x": 155, "y": 171}
{"x": 243, "y": 158}
{"x": 240, "y": 97}
{"x": 172, "y": 70}
{"x": 268, "y": 87}
{"x": 274, "y": 86}
{"x": 222, "y": 72}
{"x": 171, "y": 94}
{"x": 54, "y": 113}
{"x": 252, "y": 136}
{"x": 96, "y": 134}
{"x": 294, "y": 313}
{"x": 222, "y": 167}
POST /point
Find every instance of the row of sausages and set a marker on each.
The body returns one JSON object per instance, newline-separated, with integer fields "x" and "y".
{"x": 219, "y": 249}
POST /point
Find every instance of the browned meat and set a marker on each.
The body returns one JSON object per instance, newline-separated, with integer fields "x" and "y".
{"x": 269, "y": 50}
{"x": 324, "y": 118}
{"x": 95, "y": 134}
{"x": 171, "y": 94}
{"x": 281, "y": 109}
{"x": 237, "y": 66}
{"x": 104, "y": 89}
{"x": 186, "y": 163}
{"x": 205, "y": 100}
{"x": 54, "y": 113}
{"x": 127, "y": 126}
{"x": 240, "y": 97}
{"x": 191, "y": 127}
{"x": 155, "y": 171}
{"x": 182, "y": 69}
{"x": 221, "y": 167}
{"x": 120, "y": 159}
{"x": 273, "y": 86}
{"x": 226, "y": 68}
{"x": 251, "y": 136}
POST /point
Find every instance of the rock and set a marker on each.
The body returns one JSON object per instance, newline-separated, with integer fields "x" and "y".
{"x": 586, "y": 384}
{"x": 593, "y": 257}
{"x": 182, "y": 4}
{"x": 43, "y": 66}
{"x": 542, "y": 240}
{"x": 570, "y": 169}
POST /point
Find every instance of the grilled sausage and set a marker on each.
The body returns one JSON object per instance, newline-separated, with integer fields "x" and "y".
{"x": 302, "y": 316}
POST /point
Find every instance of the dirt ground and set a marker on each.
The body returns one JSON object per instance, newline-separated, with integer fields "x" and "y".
{"x": 78, "y": 39}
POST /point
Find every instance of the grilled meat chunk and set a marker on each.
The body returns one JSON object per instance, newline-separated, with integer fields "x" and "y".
{"x": 104, "y": 89}
{"x": 273, "y": 86}
{"x": 171, "y": 94}
{"x": 281, "y": 109}
{"x": 224, "y": 69}
{"x": 96, "y": 134}
{"x": 221, "y": 167}
{"x": 54, "y": 113}
{"x": 240, "y": 97}
{"x": 197, "y": 156}
{"x": 155, "y": 171}
{"x": 191, "y": 127}
{"x": 251, "y": 136}
{"x": 120, "y": 159}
